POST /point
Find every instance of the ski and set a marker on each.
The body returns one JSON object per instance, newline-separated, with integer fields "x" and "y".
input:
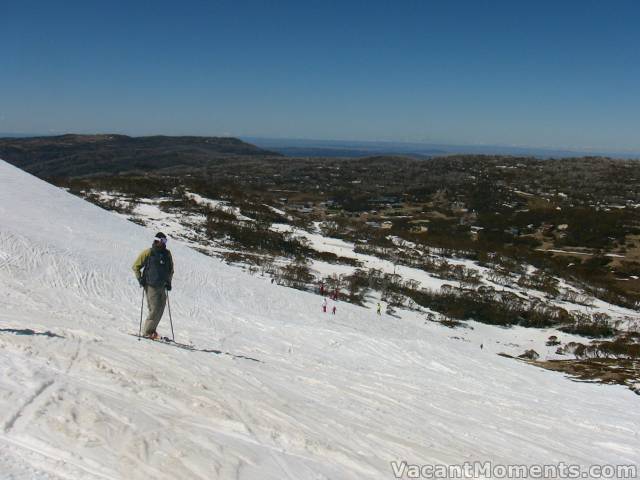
{"x": 167, "y": 341}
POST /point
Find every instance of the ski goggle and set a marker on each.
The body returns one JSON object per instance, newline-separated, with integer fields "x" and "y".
{"x": 161, "y": 240}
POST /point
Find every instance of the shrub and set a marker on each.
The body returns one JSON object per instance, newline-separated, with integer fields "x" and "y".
{"x": 552, "y": 341}
{"x": 530, "y": 355}
{"x": 596, "y": 326}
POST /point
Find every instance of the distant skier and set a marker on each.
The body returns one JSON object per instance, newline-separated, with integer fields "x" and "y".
{"x": 333, "y": 309}
{"x": 322, "y": 289}
{"x": 335, "y": 294}
{"x": 379, "y": 312}
{"x": 154, "y": 270}
{"x": 324, "y": 305}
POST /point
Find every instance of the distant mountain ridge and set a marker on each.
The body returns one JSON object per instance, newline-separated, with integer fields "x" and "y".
{"x": 297, "y": 147}
{"x": 78, "y": 155}
{"x": 329, "y": 152}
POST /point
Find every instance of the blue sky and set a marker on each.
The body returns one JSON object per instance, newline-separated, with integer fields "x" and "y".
{"x": 542, "y": 73}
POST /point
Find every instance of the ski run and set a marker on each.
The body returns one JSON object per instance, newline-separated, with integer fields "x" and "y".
{"x": 272, "y": 388}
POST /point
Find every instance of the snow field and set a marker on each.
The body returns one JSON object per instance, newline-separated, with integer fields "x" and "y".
{"x": 332, "y": 398}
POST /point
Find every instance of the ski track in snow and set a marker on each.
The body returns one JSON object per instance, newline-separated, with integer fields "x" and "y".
{"x": 335, "y": 397}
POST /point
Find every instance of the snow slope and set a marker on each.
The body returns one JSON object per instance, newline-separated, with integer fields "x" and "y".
{"x": 331, "y": 397}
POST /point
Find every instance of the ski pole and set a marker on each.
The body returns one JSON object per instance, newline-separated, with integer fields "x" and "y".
{"x": 141, "y": 307}
{"x": 170, "y": 319}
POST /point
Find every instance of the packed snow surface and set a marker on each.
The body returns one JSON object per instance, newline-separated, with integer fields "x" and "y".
{"x": 335, "y": 397}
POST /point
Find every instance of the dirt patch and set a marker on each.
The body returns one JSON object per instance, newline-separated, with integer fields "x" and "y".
{"x": 601, "y": 370}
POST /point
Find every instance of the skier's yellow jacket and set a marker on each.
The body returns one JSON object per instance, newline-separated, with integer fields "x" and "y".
{"x": 157, "y": 265}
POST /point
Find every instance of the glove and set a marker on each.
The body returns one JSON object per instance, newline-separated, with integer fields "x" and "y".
{"x": 168, "y": 286}
{"x": 142, "y": 282}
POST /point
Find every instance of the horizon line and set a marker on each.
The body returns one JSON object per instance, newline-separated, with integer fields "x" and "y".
{"x": 590, "y": 151}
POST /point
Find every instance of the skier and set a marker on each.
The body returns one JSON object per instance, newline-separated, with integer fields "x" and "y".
{"x": 154, "y": 270}
{"x": 335, "y": 294}
{"x": 322, "y": 288}
{"x": 379, "y": 309}
{"x": 333, "y": 309}
{"x": 324, "y": 305}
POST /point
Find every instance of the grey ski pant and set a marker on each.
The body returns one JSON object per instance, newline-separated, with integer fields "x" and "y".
{"x": 156, "y": 300}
